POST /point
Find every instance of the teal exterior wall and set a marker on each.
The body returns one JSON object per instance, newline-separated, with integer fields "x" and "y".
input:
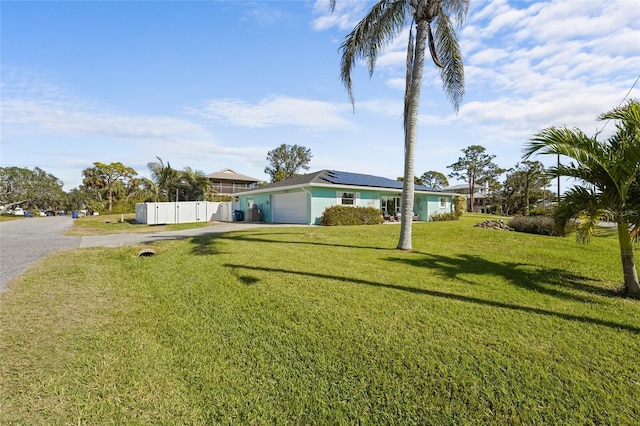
{"x": 327, "y": 197}
{"x": 320, "y": 200}
{"x": 263, "y": 201}
{"x": 425, "y": 205}
{"x": 433, "y": 205}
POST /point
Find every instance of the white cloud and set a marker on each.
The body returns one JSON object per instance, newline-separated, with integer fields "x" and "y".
{"x": 264, "y": 14}
{"x": 488, "y": 56}
{"x": 344, "y": 16}
{"x": 519, "y": 118}
{"x": 276, "y": 111}
{"x": 386, "y": 107}
{"x": 69, "y": 119}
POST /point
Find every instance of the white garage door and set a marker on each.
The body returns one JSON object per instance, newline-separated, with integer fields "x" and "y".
{"x": 290, "y": 208}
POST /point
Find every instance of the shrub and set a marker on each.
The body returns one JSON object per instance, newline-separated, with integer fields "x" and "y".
{"x": 440, "y": 217}
{"x": 459, "y": 205}
{"x": 347, "y": 215}
{"x": 541, "y": 225}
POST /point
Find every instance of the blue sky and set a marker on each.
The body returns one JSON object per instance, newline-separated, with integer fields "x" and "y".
{"x": 216, "y": 84}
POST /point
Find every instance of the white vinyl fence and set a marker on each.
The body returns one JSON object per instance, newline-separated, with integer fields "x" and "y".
{"x": 183, "y": 212}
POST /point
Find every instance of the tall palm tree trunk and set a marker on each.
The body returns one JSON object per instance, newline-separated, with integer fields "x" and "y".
{"x": 628, "y": 265}
{"x": 410, "y": 132}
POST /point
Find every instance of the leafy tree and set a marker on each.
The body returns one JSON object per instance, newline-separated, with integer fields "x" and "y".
{"x": 108, "y": 178}
{"x": 475, "y": 167}
{"x": 30, "y": 189}
{"x": 459, "y": 205}
{"x": 523, "y": 185}
{"x": 77, "y": 198}
{"x": 416, "y": 180}
{"x": 286, "y": 161}
{"x": 142, "y": 190}
{"x": 433, "y": 179}
{"x": 94, "y": 185}
{"x": 609, "y": 176}
{"x": 434, "y": 30}
{"x": 494, "y": 199}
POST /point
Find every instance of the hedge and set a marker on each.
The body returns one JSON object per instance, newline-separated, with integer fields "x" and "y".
{"x": 348, "y": 215}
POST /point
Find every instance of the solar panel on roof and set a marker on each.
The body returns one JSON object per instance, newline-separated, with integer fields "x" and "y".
{"x": 356, "y": 179}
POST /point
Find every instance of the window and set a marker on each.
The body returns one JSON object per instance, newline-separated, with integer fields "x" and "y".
{"x": 348, "y": 198}
{"x": 390, "y": 205}
{"x": 443, "y": 203}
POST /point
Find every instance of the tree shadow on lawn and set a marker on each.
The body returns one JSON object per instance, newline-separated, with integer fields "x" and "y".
{"x": 249, "y": 280}
{"x": 205, "y": 242}
{"x": 550, "y": 281}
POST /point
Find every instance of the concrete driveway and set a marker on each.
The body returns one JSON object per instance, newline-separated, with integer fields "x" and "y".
{"x": 23, "y": 242}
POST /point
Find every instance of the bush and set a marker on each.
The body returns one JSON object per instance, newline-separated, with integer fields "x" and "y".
{"x": 440, "y": 217}
{"x": 347, "y": 215}
{"x": 459, "y": 205}
{"x": 541, "y": 225}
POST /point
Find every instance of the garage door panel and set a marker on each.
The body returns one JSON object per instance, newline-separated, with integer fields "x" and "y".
{"x": 290, "y": 208}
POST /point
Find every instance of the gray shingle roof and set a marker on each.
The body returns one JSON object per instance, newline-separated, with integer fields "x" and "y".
{"x": 341, "y": 178}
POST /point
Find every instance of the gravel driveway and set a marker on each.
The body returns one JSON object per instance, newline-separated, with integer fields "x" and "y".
{"x": 25, "y": 241}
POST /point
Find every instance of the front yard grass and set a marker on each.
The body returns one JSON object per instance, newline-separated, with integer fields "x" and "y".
{"x": 325, "y": 325}
{"x": 122, "y": 224}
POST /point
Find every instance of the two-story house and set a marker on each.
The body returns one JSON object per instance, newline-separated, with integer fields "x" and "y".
{"x": 228, "y": 182}
{"x": 481, "y": 195}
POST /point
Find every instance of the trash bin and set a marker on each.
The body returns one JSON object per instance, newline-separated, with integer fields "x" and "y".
{"x": 74, "y": 214}
{"x": 238, "y": 215}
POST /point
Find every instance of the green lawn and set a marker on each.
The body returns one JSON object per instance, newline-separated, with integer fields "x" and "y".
{"x": 325, "y": 325}
{"x": 8, "y": 217}
{"x": 122, "y": 224}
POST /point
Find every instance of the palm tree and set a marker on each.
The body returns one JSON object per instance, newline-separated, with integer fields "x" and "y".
{"x": 166, "y": 178}
{"x": 610, "y": 176}
{"x": 194, "y": 184}
{"x": 433, "y": 28}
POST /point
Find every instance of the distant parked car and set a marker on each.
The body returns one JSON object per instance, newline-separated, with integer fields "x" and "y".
{"x": 18, "y": 211}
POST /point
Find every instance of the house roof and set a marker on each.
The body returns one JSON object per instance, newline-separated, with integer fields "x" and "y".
{"x": 457, "y": 187}
{"x": 337, "y": 178}
{"x": 463, "y": 188}
{"x": 228, "y": 174}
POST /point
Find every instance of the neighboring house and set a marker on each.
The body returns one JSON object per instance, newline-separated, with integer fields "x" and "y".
{"x": 303, "y": 199}
{"x": 228, "y": 182}
{"x": 481, "y": 196}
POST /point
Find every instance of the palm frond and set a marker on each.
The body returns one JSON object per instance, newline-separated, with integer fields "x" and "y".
{"x": 573, "y": 143}
{"x": 374, "y": 32}
{"x": 432, "y": 47}
{"x": 456, "y": 10}
{"x": 583, "y": 204}
{"x": 452, "y": 65}
{"x": 633, "y": 209}
{"x": 629, "y": 113}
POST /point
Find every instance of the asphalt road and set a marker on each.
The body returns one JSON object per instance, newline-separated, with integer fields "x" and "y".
{"x": 24, "y": 242}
